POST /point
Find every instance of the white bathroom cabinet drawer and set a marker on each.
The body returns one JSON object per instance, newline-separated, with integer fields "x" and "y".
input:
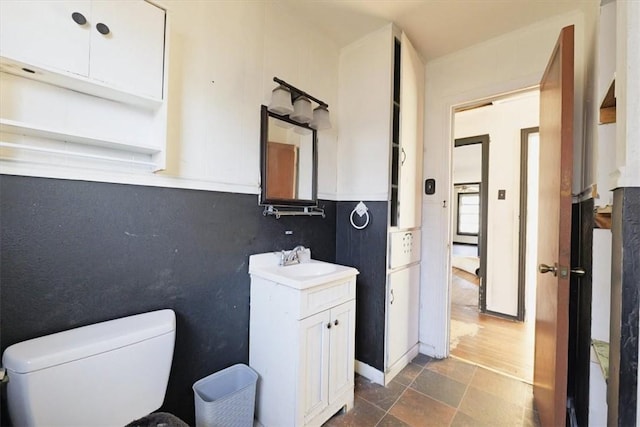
{"x": 404, "y": 248}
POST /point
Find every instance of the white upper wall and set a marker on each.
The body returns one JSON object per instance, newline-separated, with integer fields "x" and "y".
{"x": 507, "y": 63}
{"x": 467, "y": 163}
{"x": 223, "y": 56}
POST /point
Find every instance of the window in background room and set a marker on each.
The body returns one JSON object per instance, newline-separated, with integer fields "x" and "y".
{"x": 468, "y": 214}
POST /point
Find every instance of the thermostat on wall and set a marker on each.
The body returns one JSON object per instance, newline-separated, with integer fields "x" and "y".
{"x": 430, "y": 186}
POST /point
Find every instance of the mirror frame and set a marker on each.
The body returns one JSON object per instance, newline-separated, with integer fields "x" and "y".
{"x": 264, "y": 134}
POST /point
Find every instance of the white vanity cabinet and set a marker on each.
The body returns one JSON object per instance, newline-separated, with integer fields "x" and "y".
{"x": 119, "y": 44}
{"x": 302, "y": 345}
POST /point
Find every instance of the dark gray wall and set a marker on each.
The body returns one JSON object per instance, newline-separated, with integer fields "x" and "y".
{"x": 74, "y": 253}
{"x": 580, "y": 312}
{"x": 625, "y": 297}
{"x": 366, "y": 250}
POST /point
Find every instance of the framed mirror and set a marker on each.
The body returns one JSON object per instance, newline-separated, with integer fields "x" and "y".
{"x": 288, "y": 161}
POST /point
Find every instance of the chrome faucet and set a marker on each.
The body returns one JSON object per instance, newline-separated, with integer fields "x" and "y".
{"x": 292, "y": 256}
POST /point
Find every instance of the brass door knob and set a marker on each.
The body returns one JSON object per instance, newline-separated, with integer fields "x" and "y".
{"x": 544, "y": 268}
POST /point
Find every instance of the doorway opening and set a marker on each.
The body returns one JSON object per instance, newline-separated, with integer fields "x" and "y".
{"x": 491, "y": 194}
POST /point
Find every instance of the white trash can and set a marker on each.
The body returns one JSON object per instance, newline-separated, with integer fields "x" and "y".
{"x": 226, "y": 398}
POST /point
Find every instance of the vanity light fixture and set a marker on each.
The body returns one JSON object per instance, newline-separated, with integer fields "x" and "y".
{"x": 289, "y": 100}
{"x": 321, "y": 119}
{"x": 301, "y": 110}
{"x": 281, "y": 101}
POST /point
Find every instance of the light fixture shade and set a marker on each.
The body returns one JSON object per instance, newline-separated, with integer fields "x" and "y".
{"x": 321, "y": 119}
{"x": 302, "y": 112}
{"x": 302, "y": 131}
{"x": 281, "y": 101}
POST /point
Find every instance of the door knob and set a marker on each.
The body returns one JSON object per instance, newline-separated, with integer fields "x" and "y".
{"x": 544, "y": 268}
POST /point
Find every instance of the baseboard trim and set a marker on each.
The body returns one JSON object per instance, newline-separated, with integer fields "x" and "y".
{"x": 369, "y": 372}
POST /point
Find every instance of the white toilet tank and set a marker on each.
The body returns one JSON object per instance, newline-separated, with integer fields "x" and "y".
{"x": 106, "y": 374}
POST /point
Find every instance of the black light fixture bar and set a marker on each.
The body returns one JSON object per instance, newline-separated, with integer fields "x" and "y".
{"x": 297, "y": 92}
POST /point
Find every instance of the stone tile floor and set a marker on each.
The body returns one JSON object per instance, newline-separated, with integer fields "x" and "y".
{"x": 448, "y": 392}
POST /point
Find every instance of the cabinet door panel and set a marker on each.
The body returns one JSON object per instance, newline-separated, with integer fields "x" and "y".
{"x": 43, "y": 33}
{"x": 130, "y": 57}
{"x": 403, "y": 312}
{"x": 342, "y": 349}
{"x": 314, "y": 364}
{"x": 411, "y": 135}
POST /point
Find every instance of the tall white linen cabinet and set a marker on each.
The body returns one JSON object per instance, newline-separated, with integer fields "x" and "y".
{"x": 380, "y": 161}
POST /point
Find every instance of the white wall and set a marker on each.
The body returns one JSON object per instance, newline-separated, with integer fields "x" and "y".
{"x": 510, "y": 62}
{"x": 604, "y": 152}
{"x": 627, "y": 173}
{"x": 467, "y": 168}
{"x": 223, "y": 56}
{"x": 366, "y": 76}
{"x": 215, "y": 127}
{"x": 467, "y": 163}
{"x": 503, "y": 121}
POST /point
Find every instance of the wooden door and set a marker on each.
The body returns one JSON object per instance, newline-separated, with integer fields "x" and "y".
{"x": 281, "y": 167}
{"x": 554, "y": 233}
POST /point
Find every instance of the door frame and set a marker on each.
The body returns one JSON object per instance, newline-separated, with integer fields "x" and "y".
{"x": 522, "y": 246}
{"x": 484, "y": 206}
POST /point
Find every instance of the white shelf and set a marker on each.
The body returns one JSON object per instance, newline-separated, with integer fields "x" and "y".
{"x": 75, "y": 82}
{"x": 20, "y": 128}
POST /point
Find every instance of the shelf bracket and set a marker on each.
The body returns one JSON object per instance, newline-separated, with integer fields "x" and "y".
{"x": 293, "y": 211}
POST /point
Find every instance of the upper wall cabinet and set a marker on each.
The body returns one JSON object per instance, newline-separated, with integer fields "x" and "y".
{"x": 105, "y": 48}
{"x": 381, "y": 124}
{"x": 62, "y": 64}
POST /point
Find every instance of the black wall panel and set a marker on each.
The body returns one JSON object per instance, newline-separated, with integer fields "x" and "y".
{"x": 74, "y": 253}
{"x": 625, "y": 298}
{"x": 366, "y": 250}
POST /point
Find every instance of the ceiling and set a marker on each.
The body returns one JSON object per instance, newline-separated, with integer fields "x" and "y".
{"x": 435, "y": 27}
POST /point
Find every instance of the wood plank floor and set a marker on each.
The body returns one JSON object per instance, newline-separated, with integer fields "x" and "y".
{"x": 502, "y": 345}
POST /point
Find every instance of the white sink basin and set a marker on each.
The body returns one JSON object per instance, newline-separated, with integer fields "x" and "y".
{"x": 309, "y": 268}
{"x": 299, "y": 276}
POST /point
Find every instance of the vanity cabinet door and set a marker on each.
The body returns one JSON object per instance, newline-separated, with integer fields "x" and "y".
{"x": 44, "y": 33}
{"x": 327, "y": 354}
{"x": 313, "y": 390}
{"x": 130, "y": 56}
{"x": 342, "y": 349}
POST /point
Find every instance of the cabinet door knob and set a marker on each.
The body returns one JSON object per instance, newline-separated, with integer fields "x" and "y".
{"x": 102, "y": 28}
{"x": 336, "y": 322}
{"x": 404, "y": 157}
{"x": 78, "y": 18}
{"x": 329, "y": 325}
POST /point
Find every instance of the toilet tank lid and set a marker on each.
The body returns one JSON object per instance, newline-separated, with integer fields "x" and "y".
{"x": 74, "y": 344}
